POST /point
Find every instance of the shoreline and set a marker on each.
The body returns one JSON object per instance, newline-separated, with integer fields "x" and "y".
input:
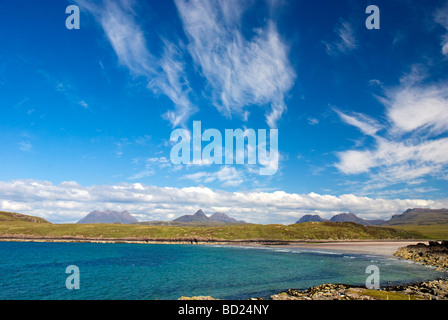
{"x": 362, "y": 246}
{"x": 427, "y": 290}
{"x": 374, "y": 247}
{"x": 433, "y": 254}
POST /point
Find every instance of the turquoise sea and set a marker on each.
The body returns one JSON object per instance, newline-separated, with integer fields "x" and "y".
{"x": 142, "y": 271}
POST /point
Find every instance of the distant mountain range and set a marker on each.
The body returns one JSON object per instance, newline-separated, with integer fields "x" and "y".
{"x": 311, "y": 218}
{"x": 124, "y": 217}
{"x": 416, "y": 216}
{"x": 200, "y": 216}
{"x": 108, "y": 216}
{"x": 342, "y": 217}
{"x": 420, "y": 216}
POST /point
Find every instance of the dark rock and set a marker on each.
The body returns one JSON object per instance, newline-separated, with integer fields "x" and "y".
{"x": 433, "y": 243}
{"x": 434, "y": 254}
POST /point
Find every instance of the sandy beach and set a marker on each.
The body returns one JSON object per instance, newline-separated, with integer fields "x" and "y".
{"x": 371, "y": 247}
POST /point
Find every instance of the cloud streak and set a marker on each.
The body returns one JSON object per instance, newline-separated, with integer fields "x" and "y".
{"x": 410, "y": 144}
{"x": 345, "y": 42}
{"x": 164, "y": 74}
{"x": 441, "y": 17}
{"x": 228, "y": 176}
{"x": 241, "y": 72}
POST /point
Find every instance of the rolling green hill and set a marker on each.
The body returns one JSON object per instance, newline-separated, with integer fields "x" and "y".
{"x": 13, "y": 216}
{"x": 431, "y": 231}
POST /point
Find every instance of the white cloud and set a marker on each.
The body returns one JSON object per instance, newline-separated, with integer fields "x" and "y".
{"x": 125, "y": 36}
{"x": 25, "y": 146}
{"x": 241, "y": 72}
{"x": 312, "y": 121}
{"x": 354, "y": 162}
{"x": 227, "y": 176}
{"x": 150, "y": 166}
{"x": 142, "y": 174}
{"x": 345, "y": 42}
{"x": 375, "y": 83}
{"x": 165, "y": 74}
{"x": 410, "y": 146}
{"x": 423, "y": 108}
{"x": 441, "y": 17}
{"x": 69, "y": 202}
{"x": 172, "y": 82}
{"x": 84, "y": 104}
{"x": 364, "y": 123}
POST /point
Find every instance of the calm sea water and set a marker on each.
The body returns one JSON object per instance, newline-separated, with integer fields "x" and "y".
{"x": 139, "y": 271}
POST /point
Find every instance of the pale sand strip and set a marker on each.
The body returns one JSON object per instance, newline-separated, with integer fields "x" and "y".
{"x": 376, "y": 247}
{"x": 370, "y": 247}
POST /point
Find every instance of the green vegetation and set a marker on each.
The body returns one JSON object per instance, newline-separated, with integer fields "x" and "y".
{"x": 187, "y": 224}
{"x": 303, "y": 231}
{"x": 388, "y": 295}
{"x": 432, "y": 231}
{"x": 13, "y": 216}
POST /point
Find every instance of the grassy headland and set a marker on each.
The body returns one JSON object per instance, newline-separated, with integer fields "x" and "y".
{"x": 430, "y": 231}
{"x": 18, "y": 217}
{"x": 16, "y": 225}
{"x": 245, "y": 232}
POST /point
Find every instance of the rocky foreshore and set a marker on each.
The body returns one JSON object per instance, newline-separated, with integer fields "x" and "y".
{"x": 427, "y": 290}
{"x": 434, "y": 254}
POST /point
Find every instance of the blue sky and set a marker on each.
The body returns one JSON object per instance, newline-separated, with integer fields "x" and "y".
{"x": 362, "y": 114}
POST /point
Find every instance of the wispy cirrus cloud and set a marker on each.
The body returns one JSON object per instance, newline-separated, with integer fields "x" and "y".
{"x": 312, "y": 121}
{"x": 150, "y": 167}
{"x": 227, "y": 176}
{"x": 65, "y": 88}
{"x": 441, "y": 17}
{"x": 126, "y": 37}
{"x": 345, "y": 42}
{"x": 363, "y": 122}
{"x": 173, "y": 82}
{"x": 410, "y": 145}
{"x": 165, "y": 74}
{"x": 25, "y": 146}
{"x": 241, "y": 72}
